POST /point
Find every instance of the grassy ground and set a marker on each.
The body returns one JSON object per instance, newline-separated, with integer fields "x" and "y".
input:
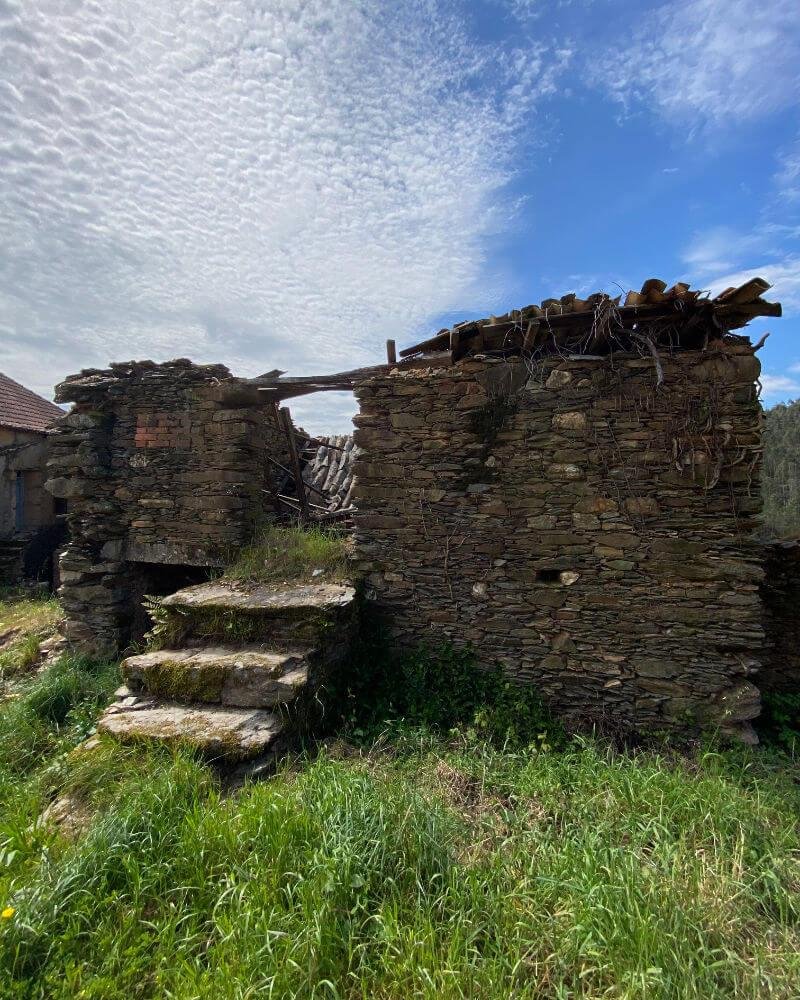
{"x": 414, "y": 866}
{"x": 284, "y": 554}
{"x": 25, "y": 621}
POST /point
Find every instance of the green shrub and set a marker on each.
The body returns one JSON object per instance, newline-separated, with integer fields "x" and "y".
{"x": 779, "y": 722}
{"x": 442, "y": 689}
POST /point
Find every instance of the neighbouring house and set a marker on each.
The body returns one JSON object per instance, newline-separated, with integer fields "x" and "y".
{"x": 30, "y": 526}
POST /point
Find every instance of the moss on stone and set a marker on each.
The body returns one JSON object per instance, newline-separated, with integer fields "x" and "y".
{"x": 181, "y": 681}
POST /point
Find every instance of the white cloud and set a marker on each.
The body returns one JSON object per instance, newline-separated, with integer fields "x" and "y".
{"x": 723, "y": 248}
{"x": 722, "y": 257}
{"x": 784, "y": 276}
{"x": 778, "y": 388}
{"x": 280, "y": 185}
{"x": 705, "y": 61}
{"x": 787, "y": 178}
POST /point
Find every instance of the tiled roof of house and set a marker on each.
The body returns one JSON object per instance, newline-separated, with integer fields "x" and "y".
{"x": 22, "y": 409}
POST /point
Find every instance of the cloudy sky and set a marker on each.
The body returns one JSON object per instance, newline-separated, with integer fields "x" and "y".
{"x": 287, "y": 183}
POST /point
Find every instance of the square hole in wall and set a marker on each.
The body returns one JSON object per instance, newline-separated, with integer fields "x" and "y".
{"x": 550, "y": 576}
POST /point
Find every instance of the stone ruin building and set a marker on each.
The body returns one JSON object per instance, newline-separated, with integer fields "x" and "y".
{"x": 571, "y": 489}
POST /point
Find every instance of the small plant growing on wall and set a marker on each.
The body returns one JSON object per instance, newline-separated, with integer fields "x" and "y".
{"x": 283, "y": 553}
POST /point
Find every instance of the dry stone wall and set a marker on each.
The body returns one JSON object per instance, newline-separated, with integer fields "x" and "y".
{"x": 577, "y": 523}
{"x": 159, "y": 464}
{"x": 780, "y": 593}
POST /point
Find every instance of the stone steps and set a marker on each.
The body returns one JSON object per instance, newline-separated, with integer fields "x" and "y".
{"x": 227, "y": 735}
{"x": 237, "y": 680}
{"x": 246, "y": 678}
{"x": 293, "y": 615}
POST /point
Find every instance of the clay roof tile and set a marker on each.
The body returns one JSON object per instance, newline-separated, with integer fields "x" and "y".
{"x": 22, "y": 409}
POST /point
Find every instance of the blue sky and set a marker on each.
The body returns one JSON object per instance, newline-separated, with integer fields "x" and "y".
{"x": 288, "y": 183}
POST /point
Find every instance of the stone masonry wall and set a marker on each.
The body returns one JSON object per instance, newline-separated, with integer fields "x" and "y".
{"x": 780, "y": 593}
{"x": 159, "y": 464}
{"x": 577, "y": 524}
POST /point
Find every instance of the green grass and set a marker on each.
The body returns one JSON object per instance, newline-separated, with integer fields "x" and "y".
{"x": 285, "y": 554}
{"x": 421, "y": 867}
{"x": 20, "y": 610}
{"x": 25, "y": 621}
{"x": 421, "y": 863}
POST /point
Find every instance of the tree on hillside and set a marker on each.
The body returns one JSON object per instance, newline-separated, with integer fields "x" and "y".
{"x": 781, "y": 474}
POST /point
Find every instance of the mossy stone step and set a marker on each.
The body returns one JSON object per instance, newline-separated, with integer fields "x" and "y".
{"x": 300, "y": 614}
{"x": 218, "y": 733}
{"x": 247, "y": 678}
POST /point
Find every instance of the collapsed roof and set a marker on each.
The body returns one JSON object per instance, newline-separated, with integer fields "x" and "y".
{"x": 599, "y": 324}
{"x": 652, "y": 318}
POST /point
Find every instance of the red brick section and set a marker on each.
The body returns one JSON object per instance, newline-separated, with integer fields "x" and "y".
{"x": 22, "y": 409}
{"x": 163, "y": 430}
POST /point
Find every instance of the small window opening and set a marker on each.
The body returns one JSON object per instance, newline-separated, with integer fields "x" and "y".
{"x": 549, "y": 576}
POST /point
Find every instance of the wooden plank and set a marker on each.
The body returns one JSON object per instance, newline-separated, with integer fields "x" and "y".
{"x": 531, "y": 333}
{"x": 463, "y": 338}
{"x": 338, "y": 380}
{"x": 335, "y": 515}
{"x": 391, "y": 352}
{"x": 298, "y": 472}
{"x": 437, "y": 343}
{"x": 293, "y": 500}
{"x": 283, "y": 468}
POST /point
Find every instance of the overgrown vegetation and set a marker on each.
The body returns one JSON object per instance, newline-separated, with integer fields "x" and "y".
{"x": 291, "y": 553}
{"x": 428, "y": 868}
{"x": 468, "y": 851}
{"x": 781, "y": 473}
{"x": 440, "y": 689}
{"x": 779, "y": 722}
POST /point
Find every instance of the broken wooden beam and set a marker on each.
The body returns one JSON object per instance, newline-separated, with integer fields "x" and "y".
{"x": 437, "y": 343}
{"x": 288, "y": 473}
{"x": 298, "y": 472}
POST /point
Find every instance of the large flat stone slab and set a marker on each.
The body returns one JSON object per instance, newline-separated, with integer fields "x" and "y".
{"x": 290, "y": 616}
{"x": 249, "y": 677}
{"x": 219, "y": 733}
{"x": 300, "y": 598}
